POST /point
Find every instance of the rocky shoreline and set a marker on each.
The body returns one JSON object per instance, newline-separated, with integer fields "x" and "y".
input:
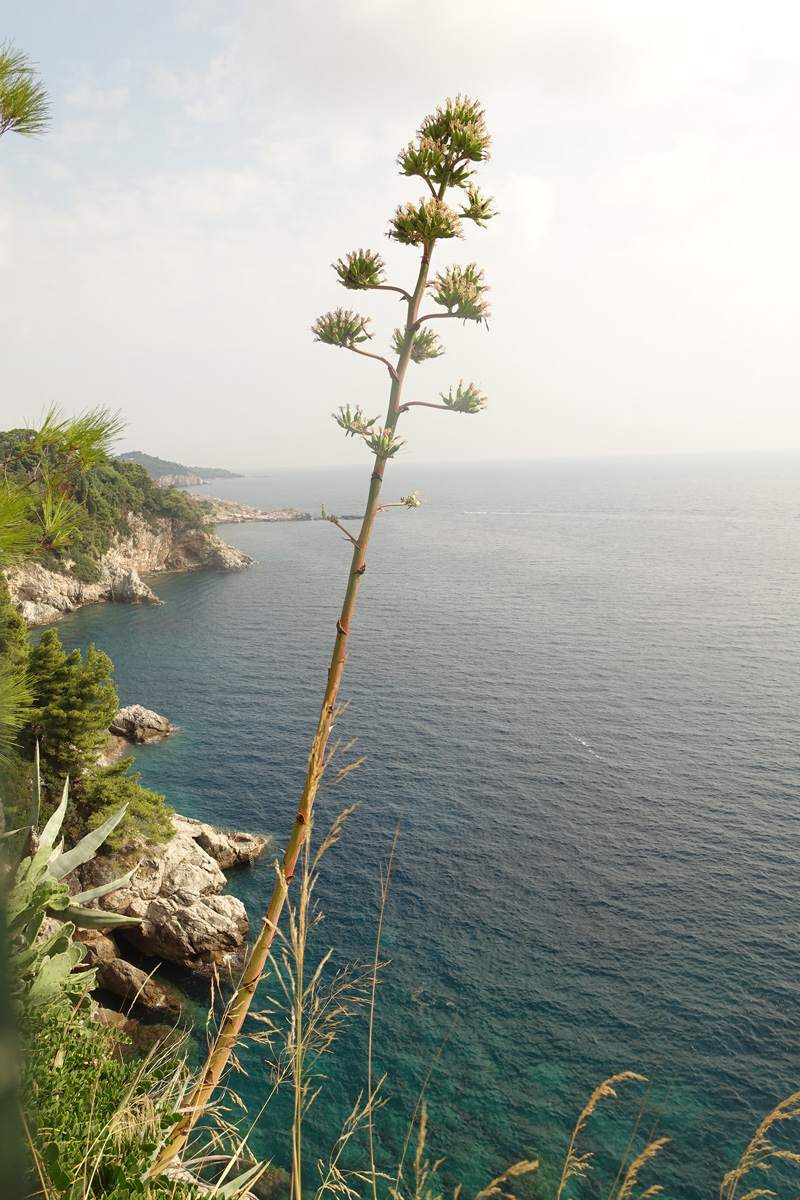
{"x": 175, "y": 893}
{"x": 43, "y": 596}
{"x": 229, "y": 512}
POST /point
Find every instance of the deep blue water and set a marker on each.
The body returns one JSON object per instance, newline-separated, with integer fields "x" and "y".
{"x": 581, "y": 679}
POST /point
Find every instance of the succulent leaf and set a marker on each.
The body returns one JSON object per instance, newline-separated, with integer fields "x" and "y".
{"x": 61, "y": 864}
{"x": 96, "y": 918}
{"x": 51, "y": 829}
{"x": 341, "y": 328}
{"x": 360, "y": 269}
{"x": 467, "y": 399}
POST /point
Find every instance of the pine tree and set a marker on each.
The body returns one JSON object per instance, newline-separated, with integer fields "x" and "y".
{"x": 74, "y": 704}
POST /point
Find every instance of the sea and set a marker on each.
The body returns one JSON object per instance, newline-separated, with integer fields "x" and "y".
{"x": 574, "y": 685}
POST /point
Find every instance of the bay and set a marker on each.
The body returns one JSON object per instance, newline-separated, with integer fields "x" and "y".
{"x": 579, "y": 681}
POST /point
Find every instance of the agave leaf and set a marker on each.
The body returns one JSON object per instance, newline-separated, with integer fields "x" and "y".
{"x": 238, "y": 1185}
{"x": 50, "y": 831}
{"x": 55, "y": 944}
{"x": 86, "y": 847}
{"x": 105, "y": 888}
{"x": 13, "y": 832}
{"x": 36, "y": 797}
{"x": 94, "y": 918}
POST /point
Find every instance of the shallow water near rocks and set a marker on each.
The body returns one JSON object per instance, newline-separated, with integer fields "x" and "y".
{"x": 580, "y": 679}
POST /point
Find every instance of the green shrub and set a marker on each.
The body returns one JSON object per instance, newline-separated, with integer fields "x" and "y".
{"x": 104, "y": 790}
{"x": 84, "y": 567}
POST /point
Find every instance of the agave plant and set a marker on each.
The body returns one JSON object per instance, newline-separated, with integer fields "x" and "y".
{"x": 44, "y": 967}
{"x": 449, "y": 144}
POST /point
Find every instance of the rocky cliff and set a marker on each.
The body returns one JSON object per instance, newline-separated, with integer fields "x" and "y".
{"x": 163, "y": 544}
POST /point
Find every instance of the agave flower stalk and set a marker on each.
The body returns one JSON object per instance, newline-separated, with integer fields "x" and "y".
{"x": 448, "y": 144}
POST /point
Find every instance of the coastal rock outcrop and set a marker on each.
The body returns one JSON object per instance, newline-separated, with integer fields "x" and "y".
{"x": 138, "y": 724}
{"x": 42, "y": 596}
{"x": 175, "y": 894}
{"x": 217, "y": 511}
{"x": 189, "y": 479}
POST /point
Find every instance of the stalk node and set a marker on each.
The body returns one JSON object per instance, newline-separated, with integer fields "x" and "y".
{"x": 360, "y": 570}
{"x": 341, "y": 629}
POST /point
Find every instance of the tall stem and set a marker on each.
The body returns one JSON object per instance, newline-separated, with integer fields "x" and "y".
{"x": 237, "y": 1009}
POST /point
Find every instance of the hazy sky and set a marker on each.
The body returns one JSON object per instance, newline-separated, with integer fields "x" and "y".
{"x": 165, "y": 249}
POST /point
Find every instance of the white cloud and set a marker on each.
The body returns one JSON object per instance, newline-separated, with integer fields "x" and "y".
{"x": 643, "y": 267}
{"x": 98, "y": 100}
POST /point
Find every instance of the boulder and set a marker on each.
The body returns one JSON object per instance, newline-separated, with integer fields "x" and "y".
{"x": 175, "y": 895}
{"x": 138, "y": 724}
{"x": 120, "y": 977}
{"x": 191, "y": 932}
{"x": 227, "y": 849}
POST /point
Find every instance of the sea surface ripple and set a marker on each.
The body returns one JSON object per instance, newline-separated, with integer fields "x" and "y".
{"x": 579, "y": 680}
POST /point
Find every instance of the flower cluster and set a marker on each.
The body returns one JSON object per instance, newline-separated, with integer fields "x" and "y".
{"x": 354, "y": 424}
{"x": 425, "y": 344}
{"x": 461, "y": 291}
{"x": 341, "y": 328}
{"x": 383, "y": 443}
{"x": 448, "y": 141}
{"x": 431, "y": 219}
{"x": 467, "y": 399}
{"x": 360, "y": 269}
{"x": 478, "y": 207}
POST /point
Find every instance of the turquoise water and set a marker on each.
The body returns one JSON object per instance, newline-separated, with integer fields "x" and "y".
{"x": 580, "y": 680}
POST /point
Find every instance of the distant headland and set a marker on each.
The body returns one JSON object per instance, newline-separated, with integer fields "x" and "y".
{"x": 166, "y": 473}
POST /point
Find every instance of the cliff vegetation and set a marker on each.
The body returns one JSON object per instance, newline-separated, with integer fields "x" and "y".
{"x": 101, "y": 500}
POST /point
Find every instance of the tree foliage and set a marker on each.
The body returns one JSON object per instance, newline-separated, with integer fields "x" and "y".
{"x": 24, "y": 104}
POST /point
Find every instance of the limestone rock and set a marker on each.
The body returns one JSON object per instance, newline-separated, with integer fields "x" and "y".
{"x": 227, "y": 849}
{"x": 175, "y": 894}
{"x": 190, "y": 479}
{"x": 191, "y": 932}
{"x": 138, "y": 724}
{"x": 120, "y": 977}
{"x": 42, "y": 596}
{"x": 228, "y": 512}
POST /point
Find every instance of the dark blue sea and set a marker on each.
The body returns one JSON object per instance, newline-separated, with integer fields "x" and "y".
{"x": 579, "y": 680}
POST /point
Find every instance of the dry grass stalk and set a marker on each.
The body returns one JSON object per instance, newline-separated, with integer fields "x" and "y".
{"x": 576, "y": 1166}
{"x": 495, "y": 1188}
{"x": 335, "y": 1181}
{"x": 760, "y": 1152}
{"x": 632, "y": 1174}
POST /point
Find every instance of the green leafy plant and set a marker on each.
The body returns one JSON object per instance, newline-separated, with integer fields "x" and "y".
{"x": 449, "y": 144}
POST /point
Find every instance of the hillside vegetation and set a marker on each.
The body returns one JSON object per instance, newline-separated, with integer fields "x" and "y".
{"x": 102, "y": 498}
{"x": 158, "y": 468}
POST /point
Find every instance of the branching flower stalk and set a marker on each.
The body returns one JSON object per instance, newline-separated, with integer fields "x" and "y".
{"x": 448, "y": 145}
